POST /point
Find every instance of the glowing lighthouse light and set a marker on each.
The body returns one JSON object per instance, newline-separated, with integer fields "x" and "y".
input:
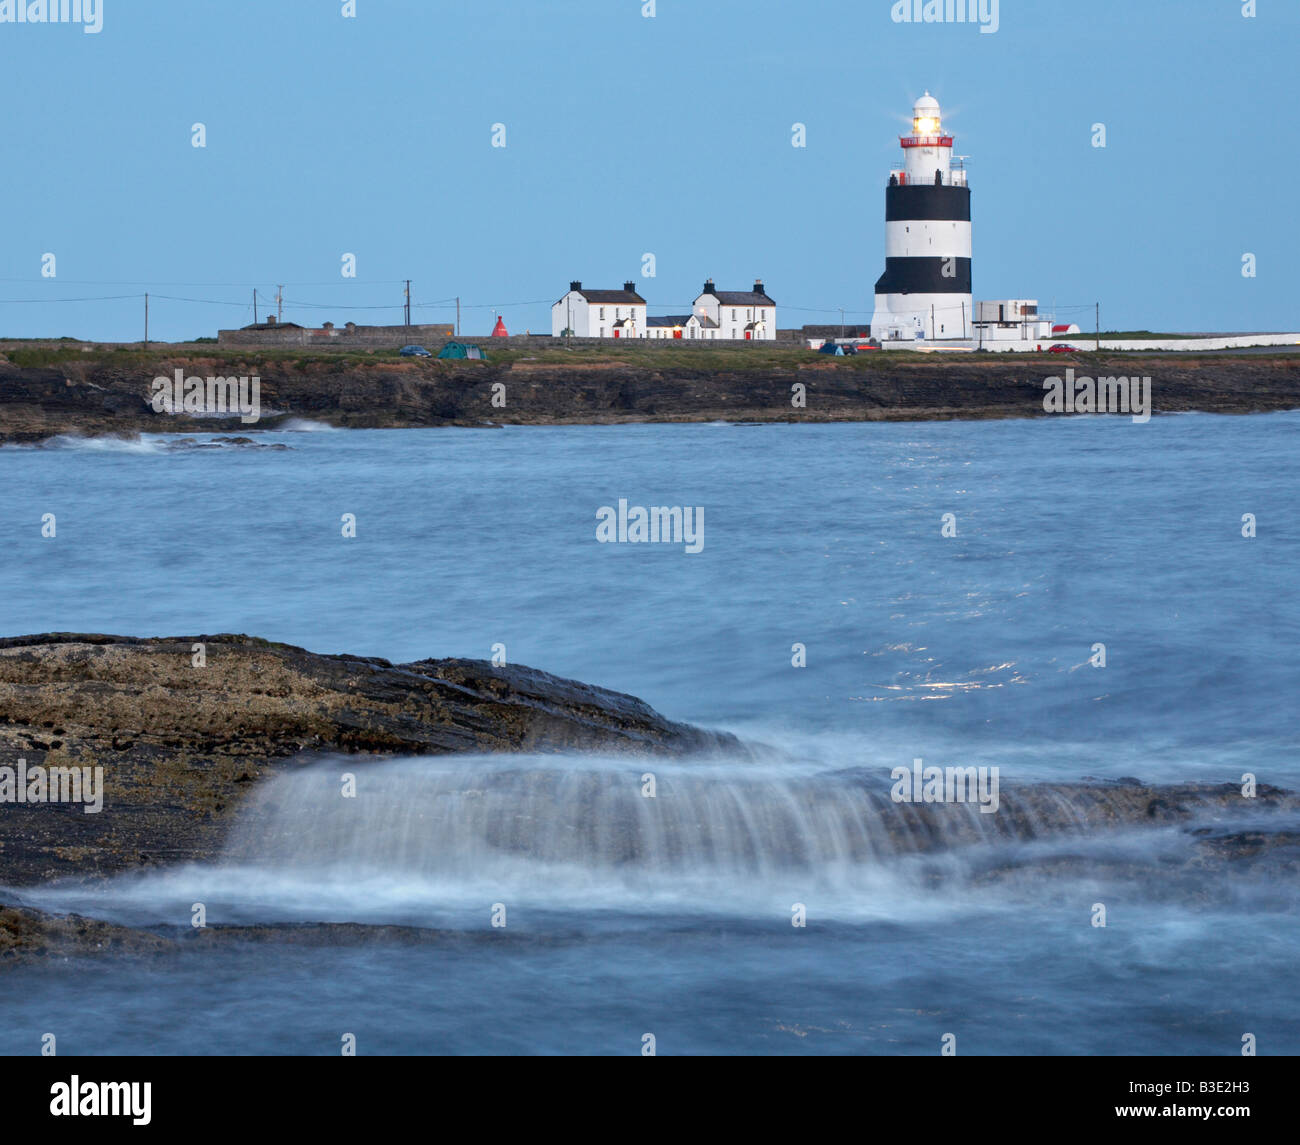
{"x": 925, "y": 116}
{"x": 925, "y": 291}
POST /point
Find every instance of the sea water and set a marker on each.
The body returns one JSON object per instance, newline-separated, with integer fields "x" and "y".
{"x": 864, "y": 595}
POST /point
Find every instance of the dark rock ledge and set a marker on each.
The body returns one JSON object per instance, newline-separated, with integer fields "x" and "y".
{"x": 182, "y": 746}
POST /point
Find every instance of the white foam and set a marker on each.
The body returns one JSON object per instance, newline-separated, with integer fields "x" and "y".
{"x": 437, "y": 841}
{"x": 305, "y": 425}
{"x": 146, "y": 444}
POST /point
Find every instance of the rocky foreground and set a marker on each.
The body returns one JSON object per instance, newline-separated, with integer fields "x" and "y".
{"x": 106, "y": 392}
{"x": 184, "y": 729}
{"x": 182, "y": 745}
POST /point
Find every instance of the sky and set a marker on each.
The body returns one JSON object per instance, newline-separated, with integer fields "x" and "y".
{"x": 628, "y": 134}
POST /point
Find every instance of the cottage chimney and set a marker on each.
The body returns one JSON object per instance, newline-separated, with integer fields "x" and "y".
{"x": 630, "y": 287}
{"x": 270, "y": 319}
{"x": 758, "y": 286}
{"x": 708, "y": 287}
{"x": 575, "y": 286}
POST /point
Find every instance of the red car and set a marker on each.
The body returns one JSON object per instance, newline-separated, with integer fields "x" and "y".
{"x": 1063, "y": 348}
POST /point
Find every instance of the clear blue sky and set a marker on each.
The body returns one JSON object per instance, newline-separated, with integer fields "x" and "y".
{"x": 627, "y": 135}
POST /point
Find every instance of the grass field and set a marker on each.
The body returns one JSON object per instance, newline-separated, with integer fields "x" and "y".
{"x": 711, "y": 358}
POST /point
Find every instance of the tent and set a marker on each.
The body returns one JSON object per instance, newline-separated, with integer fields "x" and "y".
{"x": 499, "y": 330}
{"x": 461, "y": 350}
{"x": 832, "y": 348}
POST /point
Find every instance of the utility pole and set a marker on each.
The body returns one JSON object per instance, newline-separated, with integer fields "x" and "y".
{"x": 408, "y": 303}
{"x": 458, "y": 316}
{"x": 1098, "y": 346}
{"x": 932, "y": 321}
{"x": 841, "y": 321}
{"x": 146, "y": 320}
{"x": 254, "y": 306}
{"x": 279, "y": 303}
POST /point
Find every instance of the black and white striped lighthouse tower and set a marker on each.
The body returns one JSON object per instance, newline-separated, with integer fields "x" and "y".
{"x": 925, "y": 291}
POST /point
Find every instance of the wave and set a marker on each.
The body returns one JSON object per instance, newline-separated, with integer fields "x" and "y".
{"x": 432, "y": 841}
{"x": 150, "y": 445}
{"x": 144, "y": 445}
{"x": 305, "y": 425}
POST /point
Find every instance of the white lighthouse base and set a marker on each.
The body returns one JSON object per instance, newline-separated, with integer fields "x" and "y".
{"x": 928, "y": 317}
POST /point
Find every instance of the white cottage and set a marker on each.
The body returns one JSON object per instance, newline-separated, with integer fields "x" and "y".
{"x": 748, "y": 315}
{"x": 600, "y": 313}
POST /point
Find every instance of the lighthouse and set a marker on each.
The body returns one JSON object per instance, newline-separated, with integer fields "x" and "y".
{"x": 925, "y": 291}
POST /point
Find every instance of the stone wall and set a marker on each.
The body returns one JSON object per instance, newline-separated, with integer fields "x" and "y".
{"x": 350, "y": 336}
{"x": 434, "y": 337}
{"x": 832, "y": 330}
{"x": 542, "y": 340}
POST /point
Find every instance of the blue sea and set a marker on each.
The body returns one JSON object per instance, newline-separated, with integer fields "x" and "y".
{"x": 865, "y": 595}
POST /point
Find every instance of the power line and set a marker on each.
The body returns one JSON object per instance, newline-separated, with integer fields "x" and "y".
{"x": 444, "y": 304}
{"x": 339, "y": 306}
{"x": 232, "y": 285}
{"x": 201, "y": 301}
{"x": 504, "y": 305}
{"x": 38, "y": 301}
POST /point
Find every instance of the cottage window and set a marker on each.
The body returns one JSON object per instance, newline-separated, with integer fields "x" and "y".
{"x": 602, "y": 315}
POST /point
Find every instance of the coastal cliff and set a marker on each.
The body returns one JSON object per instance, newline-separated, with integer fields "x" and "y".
{"x": 44, "y": 393}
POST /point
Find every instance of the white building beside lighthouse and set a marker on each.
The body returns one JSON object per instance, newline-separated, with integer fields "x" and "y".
{"x": 600, "y": 313}
{"x": 925, "y": 291}
{"x": 745, "y": 315}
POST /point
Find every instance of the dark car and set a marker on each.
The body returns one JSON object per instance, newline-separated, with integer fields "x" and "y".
{"x": 1063, "y": 348}
{"x": 414, "y": 352}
